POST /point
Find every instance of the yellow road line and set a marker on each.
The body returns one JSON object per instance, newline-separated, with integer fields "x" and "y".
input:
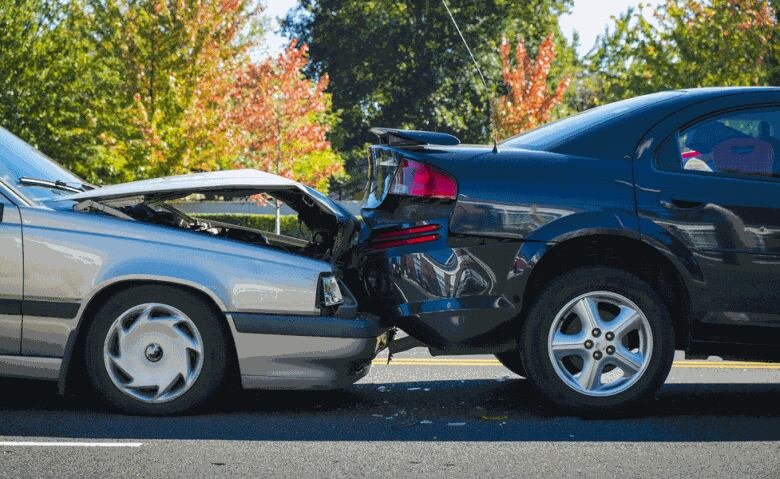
{"x": 492, "y": 362}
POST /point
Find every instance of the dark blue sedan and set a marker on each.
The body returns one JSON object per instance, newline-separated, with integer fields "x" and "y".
{"x": 583, "y": 253}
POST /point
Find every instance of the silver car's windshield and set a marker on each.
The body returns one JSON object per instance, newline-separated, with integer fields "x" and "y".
{"x": 20, "y": 160}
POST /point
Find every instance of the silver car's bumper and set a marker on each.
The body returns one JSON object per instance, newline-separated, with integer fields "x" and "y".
{"x": 305, "y": 352}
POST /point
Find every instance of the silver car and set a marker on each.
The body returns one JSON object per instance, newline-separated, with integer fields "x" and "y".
{"x": 116, "y": 289}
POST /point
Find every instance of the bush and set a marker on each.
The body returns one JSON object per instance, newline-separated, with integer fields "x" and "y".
{"x": 289, "y": 223}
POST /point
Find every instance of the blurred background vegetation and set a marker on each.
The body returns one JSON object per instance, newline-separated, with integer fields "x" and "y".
{"x": 118, "y": 90}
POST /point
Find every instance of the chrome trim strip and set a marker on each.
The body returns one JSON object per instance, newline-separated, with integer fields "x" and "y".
{"x": 30, "y": 367}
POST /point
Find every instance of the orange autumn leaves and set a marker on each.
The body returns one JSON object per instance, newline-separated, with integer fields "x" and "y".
{"x": 269, "y": 116}
{"x": 283, "y": 119}
{"x": 200, "y": 101}
{"x": 528, "y": 103}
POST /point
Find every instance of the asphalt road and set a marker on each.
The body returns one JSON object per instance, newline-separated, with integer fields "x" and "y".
{"x": 420, "y": 416}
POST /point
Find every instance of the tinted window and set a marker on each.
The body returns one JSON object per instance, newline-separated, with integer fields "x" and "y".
{"x": 553, "y": 134}
{"x": 18, "y": 159}
{"x": 744, "y": 143}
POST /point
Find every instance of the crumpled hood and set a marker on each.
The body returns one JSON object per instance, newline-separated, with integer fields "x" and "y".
{"x": 174, "y": 187}
{"x": 178, "y": 186}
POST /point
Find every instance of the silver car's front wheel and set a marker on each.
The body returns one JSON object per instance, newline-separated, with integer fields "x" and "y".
{"x": 157, "y": 349}
{"x": 153, "y": 352}
{"x": 600, "y": 343}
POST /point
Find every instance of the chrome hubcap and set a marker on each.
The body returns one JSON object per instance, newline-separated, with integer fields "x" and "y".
{"x": 600, "y": 343}
{"x": 153, "y": 353}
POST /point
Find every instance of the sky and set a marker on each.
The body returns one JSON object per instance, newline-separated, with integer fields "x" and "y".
{"x": 588, "y": 18}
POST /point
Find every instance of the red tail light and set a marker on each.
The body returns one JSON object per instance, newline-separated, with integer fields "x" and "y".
{"x": 405, "y": 236}
{"x": 418, "y": 179}
{"x": 385, "y": 235}
{"x": 405, "y": 241}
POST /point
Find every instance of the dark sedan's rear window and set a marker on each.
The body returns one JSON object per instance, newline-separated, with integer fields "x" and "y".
{"x": 553, "y": 134}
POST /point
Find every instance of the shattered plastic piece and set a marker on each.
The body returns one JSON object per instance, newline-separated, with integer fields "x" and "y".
{"x": 427, "y": 389}
{"x": 425, "y": 421}
{"x": 413, "y": 389}
{"x": 377, "y": 415}
{"x": 382, "y": 389}
{"x": 456, "y": 424}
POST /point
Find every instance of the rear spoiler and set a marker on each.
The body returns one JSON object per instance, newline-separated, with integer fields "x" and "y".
{"x": 395, "y": 137}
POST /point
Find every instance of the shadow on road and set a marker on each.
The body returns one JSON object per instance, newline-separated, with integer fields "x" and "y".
{"x": 491, "y": 410}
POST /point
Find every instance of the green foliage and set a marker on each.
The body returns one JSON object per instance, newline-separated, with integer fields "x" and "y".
{"x": 402, "y": 64}
{"x": 53, "y": 92}
{"x": 689, "y": 43}
{"x": 289, "y": 225}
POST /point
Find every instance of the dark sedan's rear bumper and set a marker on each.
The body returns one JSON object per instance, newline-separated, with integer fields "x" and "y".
{"x": 455, "y": 299}
{"x": 306, "y": 352}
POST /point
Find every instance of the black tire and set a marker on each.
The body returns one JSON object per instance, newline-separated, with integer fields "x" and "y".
{"x": 513, "y": 361}
{"x": 208, "y": 323}
{"x": 562, "y": 290}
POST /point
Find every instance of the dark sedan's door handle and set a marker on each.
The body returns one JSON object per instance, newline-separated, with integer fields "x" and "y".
{"x": 675, "y": 204}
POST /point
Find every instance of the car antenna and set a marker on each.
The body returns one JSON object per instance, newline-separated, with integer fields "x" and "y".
{"x": 481, "y": 76}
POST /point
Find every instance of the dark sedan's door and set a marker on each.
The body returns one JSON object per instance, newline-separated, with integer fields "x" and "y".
{"x": 10, "y": 278}
{"x": 708, "y": 182}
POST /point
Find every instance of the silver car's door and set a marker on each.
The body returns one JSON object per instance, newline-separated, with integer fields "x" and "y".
{"x": 10, "y": 277}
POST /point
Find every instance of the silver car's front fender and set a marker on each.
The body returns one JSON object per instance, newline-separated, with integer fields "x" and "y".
{"x": 71, "y": 257}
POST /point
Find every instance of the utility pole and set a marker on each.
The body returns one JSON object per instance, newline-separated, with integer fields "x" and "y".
{"x": 278, "y": 222}
{"x": 277, "y": 203}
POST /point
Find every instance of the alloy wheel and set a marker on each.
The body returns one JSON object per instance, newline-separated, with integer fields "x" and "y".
{"x": 600, "y": 343}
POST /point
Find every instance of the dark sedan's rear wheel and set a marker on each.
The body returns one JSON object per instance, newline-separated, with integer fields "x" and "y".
{"x": 597, "y": 340}
{"x": 156, "y": 350}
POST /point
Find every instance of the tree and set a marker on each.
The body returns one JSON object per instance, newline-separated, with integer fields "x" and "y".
{"x": 527, "y": 104}
{"x": 54, "y": 93}
{"x": 402, "y": 64}
{"x": 691, "y": 43}
{"x": 119, "y": 90}
{"x": 177, "y": 60}
{"x": 283, "y": 118}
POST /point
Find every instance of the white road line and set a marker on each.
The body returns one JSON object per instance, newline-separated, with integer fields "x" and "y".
{"x": 68, "y": 444}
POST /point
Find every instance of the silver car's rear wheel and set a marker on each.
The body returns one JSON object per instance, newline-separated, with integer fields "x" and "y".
{"x": 153, "y": 353}
{"x": 600, "y": 343}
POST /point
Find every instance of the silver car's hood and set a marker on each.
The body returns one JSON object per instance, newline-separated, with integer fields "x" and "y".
{"x": 173, "y": 186}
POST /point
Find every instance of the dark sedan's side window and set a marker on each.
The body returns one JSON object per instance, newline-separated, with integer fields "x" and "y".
{"x": 741, "y": 143}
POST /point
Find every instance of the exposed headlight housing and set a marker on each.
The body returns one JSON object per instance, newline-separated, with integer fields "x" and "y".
{"x": 331, "y": 293}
